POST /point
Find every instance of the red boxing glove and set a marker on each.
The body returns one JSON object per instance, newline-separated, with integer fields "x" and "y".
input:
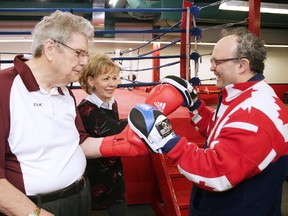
{"x": 126, "y": 143}
{"x": 165, "y": 98}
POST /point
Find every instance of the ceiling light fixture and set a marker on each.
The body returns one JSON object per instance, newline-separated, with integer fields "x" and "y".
{"x": 112, "y": 3}
{"x": 274, "y": 8}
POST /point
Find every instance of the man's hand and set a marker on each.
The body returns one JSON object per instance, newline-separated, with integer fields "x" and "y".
{"x": 153, "y": 127}
{"x": 126, "y": 143}
{"x": 183, "y": 86}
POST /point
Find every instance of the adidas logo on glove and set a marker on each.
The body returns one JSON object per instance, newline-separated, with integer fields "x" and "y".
{"x": 160, "y": 106}
{"x": 165, "y": 97}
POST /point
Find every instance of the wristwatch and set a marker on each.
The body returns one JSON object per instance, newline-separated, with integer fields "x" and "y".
{"x": 36, "y": 212}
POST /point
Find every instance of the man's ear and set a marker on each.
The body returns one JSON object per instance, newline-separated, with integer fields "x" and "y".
{"x": 244, "y": 64}
{"x": 49, "y": 48}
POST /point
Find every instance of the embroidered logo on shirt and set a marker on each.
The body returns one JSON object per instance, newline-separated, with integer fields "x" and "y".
{"x": 37, "y": 104}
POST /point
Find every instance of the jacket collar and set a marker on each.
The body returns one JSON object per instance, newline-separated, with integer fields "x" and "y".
{"x": 232, "y": 91}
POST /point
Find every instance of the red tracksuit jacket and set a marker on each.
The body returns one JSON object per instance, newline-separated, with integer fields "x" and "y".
{"x": 242, "y": 170}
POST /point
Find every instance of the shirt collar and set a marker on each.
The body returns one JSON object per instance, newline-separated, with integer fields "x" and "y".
{"x": 25, "y": 73}
{"x": 98, "y": 102}
{"x": 256, "y": 77}
{"x": 27, "y": 76}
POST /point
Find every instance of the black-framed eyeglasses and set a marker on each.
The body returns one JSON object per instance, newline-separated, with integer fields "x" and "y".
{"x": 216, "y": 62}
{"x": 80, "y": 53}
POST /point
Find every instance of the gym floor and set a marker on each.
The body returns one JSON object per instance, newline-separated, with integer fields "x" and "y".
{"x": 133, "y": 210}
{"x": 146, "y": 210}
{"x": 285, "y": 198}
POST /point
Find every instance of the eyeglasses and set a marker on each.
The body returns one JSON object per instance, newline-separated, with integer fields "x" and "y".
{"x": 80, "y": 53}
{"x": 216, "y": 62}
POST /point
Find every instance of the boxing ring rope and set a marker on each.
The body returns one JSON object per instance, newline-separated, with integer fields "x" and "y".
{"x": 173, "y": 42}
{"x": 150, "y": 41}
{"x": 161, "y": 66}
{"x": 111, "y": 31}
{"x": 104, "y": 31}
{"x": 191, "y": 11}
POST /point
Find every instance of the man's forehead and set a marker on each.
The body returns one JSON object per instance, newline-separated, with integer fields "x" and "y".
{"x": 227, "y": 44}
{"x": 231, "y": 39}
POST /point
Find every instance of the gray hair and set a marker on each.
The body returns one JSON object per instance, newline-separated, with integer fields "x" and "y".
{"x": 250, "y": 47}
{"x": 59, "y": 26}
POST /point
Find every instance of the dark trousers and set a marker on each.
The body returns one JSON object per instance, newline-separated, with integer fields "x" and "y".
{"x": 75, "y": 205}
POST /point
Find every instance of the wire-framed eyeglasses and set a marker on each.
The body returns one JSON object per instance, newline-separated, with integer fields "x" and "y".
{"x": 80, "y": 53}
{"x": 216, "y": 62}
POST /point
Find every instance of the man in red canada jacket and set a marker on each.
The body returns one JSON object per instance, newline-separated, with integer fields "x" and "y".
{"x": 242, "y": 168}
